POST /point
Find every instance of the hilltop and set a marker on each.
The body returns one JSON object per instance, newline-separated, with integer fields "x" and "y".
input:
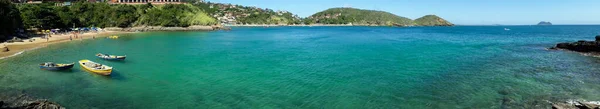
{"x": 353, "y": 16}
{"x": 357, "y": 17}
{"x": 432, "y": 20}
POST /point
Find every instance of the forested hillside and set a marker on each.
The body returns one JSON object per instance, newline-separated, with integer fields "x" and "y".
{"x": 357, "y": 17}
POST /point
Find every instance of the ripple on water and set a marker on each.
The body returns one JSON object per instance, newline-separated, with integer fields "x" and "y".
{"x": 319, "y": 67}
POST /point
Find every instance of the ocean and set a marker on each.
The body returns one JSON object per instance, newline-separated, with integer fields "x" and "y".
{"x": 318, "y": 67}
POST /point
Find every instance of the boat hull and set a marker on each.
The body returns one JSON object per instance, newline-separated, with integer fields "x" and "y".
{"x": 111, "y": 57}
{"x": 118, "y": 58}
{"x": 65, "y": 67}
{"x": 105, "y": 72}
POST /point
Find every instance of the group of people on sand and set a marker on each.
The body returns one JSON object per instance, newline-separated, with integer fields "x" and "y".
{"x": 74, "y": 34}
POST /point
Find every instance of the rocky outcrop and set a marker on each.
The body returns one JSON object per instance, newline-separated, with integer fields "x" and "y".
{"x": 160, "y": 28}
{"x": 581, "y": 46}
{"x": 26, "y": 102}
{"x": 23, "y": 101}
{"x": 577, "y": 104}
{"x": 15, "y": 39}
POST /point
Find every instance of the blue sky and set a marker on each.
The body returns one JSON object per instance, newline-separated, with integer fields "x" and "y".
{"x": 465, "y": 12}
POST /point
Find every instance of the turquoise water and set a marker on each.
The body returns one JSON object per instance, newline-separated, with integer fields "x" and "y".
{"x": 318, "y": 67}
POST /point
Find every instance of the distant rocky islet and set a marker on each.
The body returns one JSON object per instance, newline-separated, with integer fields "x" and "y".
{"x": 544, "y": 23}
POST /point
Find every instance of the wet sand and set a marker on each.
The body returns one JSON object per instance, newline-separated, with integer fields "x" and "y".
{"x": 16, "y": 48}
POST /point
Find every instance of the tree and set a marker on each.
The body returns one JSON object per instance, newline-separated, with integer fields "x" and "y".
{"x": 40, "y": 16}
{"x": 10, "y": 20}
{"x": 124, "y": 15}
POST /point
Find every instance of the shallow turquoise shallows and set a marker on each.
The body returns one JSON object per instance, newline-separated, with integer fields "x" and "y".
{"x": 317, "y": 67}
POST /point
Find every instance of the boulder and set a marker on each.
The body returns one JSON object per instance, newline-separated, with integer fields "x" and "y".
{"x": 576, "y": 104}
{"x": 580, "y": 46}
{"x": 597, "y": 38}
{"x": 26, "y": 102}
{"x": 587, "y": 105}
{"x": 562, "y": 45}
{"x": 563, "y": 106}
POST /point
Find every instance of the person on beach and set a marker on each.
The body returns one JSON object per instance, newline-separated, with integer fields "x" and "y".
{"x": 70, "y": 37}
{"x": 5, "y": 48}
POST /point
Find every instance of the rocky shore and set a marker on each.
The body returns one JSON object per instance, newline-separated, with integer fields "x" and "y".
{"x": 22, "y": 101}
{"x": 160, "y": 28}
{"x": 581, "y": 46}
{"x": 577, "y": 104}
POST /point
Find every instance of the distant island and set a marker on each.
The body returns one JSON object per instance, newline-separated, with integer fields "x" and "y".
{"x": 544, "y": 23}
{"x": 353, "y": 16}
{"x": 432, "y": 20}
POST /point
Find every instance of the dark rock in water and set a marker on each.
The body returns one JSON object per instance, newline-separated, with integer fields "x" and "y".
{"x": 597, "y": 38}
{"x": 23, "y": 101}
{"x": 580, "y": 46}
{"x": 580, "y": 104}
{"x": 563, "y": 106}
{"x": 587, "y": 105}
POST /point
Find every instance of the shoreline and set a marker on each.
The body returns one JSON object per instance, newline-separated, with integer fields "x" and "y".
{"x": 259, "y": 25}
{"x": 17, "y": 48}
{"x": 161, "y": 28}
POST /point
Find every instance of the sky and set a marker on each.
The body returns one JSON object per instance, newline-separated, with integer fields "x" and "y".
{"x": 462, "y": 12}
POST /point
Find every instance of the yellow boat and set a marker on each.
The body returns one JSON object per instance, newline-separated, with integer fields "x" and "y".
{"x": 113, "y": 37}
{"x": 95, "y": 67}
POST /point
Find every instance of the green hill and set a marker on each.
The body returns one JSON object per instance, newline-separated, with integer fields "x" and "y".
{"x": 432, "y": 20}
{"x": 357, "y": 17}
{"x": 238, "y": 14}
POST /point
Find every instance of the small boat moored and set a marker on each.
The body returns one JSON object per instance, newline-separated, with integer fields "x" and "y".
{"x": 113, "y": 37}
{"x": 55, "y": 67}
{"x": 110, "y": 57}
{"x": 95, "y": 67}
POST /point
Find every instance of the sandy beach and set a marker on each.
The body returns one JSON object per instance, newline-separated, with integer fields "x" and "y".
{"x": 16, "y": 48}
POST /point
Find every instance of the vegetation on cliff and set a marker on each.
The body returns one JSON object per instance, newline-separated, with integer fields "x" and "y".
{"x": 432, "y": 20}
{"x": 85, "y": 14}
{"x": 10, "y": 22}
{"x": 174, "y": 15}
{"x": 357, "y": 17}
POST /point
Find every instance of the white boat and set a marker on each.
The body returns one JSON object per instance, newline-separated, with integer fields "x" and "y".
{"x": 506, "y": 29}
